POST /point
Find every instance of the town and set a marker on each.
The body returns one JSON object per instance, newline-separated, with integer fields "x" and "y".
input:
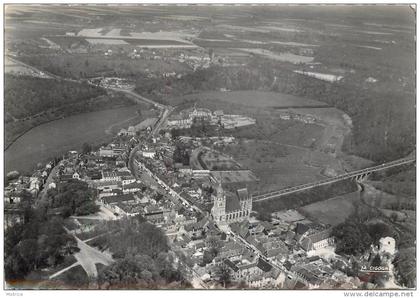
{"x": 199, "y": 198}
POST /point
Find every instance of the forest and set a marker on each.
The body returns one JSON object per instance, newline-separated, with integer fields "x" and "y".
{"x": 72, "y": 198}
{"x": 143, "y": 258}
{"x": 27, "y": 96}
{"x": 38, "y": 242}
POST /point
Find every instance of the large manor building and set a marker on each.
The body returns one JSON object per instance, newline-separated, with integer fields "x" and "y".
{"x": 231, "y": 207}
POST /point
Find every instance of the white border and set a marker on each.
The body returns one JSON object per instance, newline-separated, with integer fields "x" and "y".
{"x": 192, "y": 293}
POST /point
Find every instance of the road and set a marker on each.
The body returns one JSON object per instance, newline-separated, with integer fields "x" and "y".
{"x": 87, "y": 257}
{"x": 274, "y": 194}
{"x": 139, "y": 97}
{"x": 45, "y": 73}
{"x": 162, "y": 118}
{"x": 177, "y": 197}
{"x": 169, "y": 190}
{"x": 42, "y": 196}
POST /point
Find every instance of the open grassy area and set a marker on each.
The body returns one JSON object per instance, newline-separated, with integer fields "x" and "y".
{"x": 213, "y": 160}
{"x": 306, "y": 197}
{"x": 279, "y": 166}
{"x": 332, "y": 211}
{"x": 253, "y": 98}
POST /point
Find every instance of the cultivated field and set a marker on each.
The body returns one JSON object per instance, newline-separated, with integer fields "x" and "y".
{"x": 284, "y": 57}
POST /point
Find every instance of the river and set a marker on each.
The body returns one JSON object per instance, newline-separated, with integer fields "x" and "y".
{"x": 57, "y": 137}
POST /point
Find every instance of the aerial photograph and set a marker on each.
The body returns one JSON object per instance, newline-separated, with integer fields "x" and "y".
{"x": 209, "y": 147}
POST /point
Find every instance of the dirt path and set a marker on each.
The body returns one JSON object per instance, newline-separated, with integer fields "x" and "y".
{"x": 64, "y": 270}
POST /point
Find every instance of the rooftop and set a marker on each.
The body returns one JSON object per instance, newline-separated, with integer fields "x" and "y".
{"x": 119, "y": 198}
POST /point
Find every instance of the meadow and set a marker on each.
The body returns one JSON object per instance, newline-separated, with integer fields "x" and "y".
{"x": 321, "y": 211}
{"x": 257, "y": 99}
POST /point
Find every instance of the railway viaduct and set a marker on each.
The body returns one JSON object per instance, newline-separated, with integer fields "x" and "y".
{"x": 355, "y": 175}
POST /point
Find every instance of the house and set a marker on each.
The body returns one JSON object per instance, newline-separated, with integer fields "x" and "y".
{"x": 66, "y": 177}
{"x": 109, "y": 201}
{"x": 127, "y": 179}
{"x": 218, "y": 113}
{"x": 110, "y": 176}
{"x": 119, "y": 161}
{"x": 306, "y": 275}
{"x": 241, "y": 228}
{"x": 111, "y": 150}
{"x": 34, "y": 185}
{"x": 102, "y": 185}
{"x": 157, "y": 217}
{"x": 274, "y": 247}
{"x": 255, "y": 274}
{"x": 12, "y": 197}
{"x": 131, "y": 187}
{"x": 231, "y": 249}
{"x": 94, "y": 175}
{"x": 185, "y": 169}
{"x": 195, "y": 230}
{"x": 149, "y": 154}
{"x": 13, "y": 216}
{"x": 316, "y": 240}
{"x": 109, "y": 193}
{"x": 126, "y": 209}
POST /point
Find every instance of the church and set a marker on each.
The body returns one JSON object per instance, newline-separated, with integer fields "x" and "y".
{"x": 231, "y": 207}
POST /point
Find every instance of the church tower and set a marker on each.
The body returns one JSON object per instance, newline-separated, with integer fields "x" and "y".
{"x": 219, "y": 205}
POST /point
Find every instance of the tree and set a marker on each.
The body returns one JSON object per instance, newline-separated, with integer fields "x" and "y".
{"x": 352, "y": 238}
{"x": 224, "y": 276}
{"x": 379, "y": 230}
{"x": 209, "y": 255}
{"x": 73, "y": 197}
{"x": 264, "y": 215}
{"x": 86, "y": 148}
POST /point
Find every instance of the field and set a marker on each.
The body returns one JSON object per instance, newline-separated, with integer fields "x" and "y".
{"x": 284, "y": 57}
{"x": 305, "y": 197}
{"x": 13, "y": 67}
{"x": 240, "y": 176}
{"x": 93, "y": 65}
{"x": 332, "y": 211}
{"x": 54, "y": 138}
{"x": 257, "y": 99}
{"x": 213, "y": 160}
